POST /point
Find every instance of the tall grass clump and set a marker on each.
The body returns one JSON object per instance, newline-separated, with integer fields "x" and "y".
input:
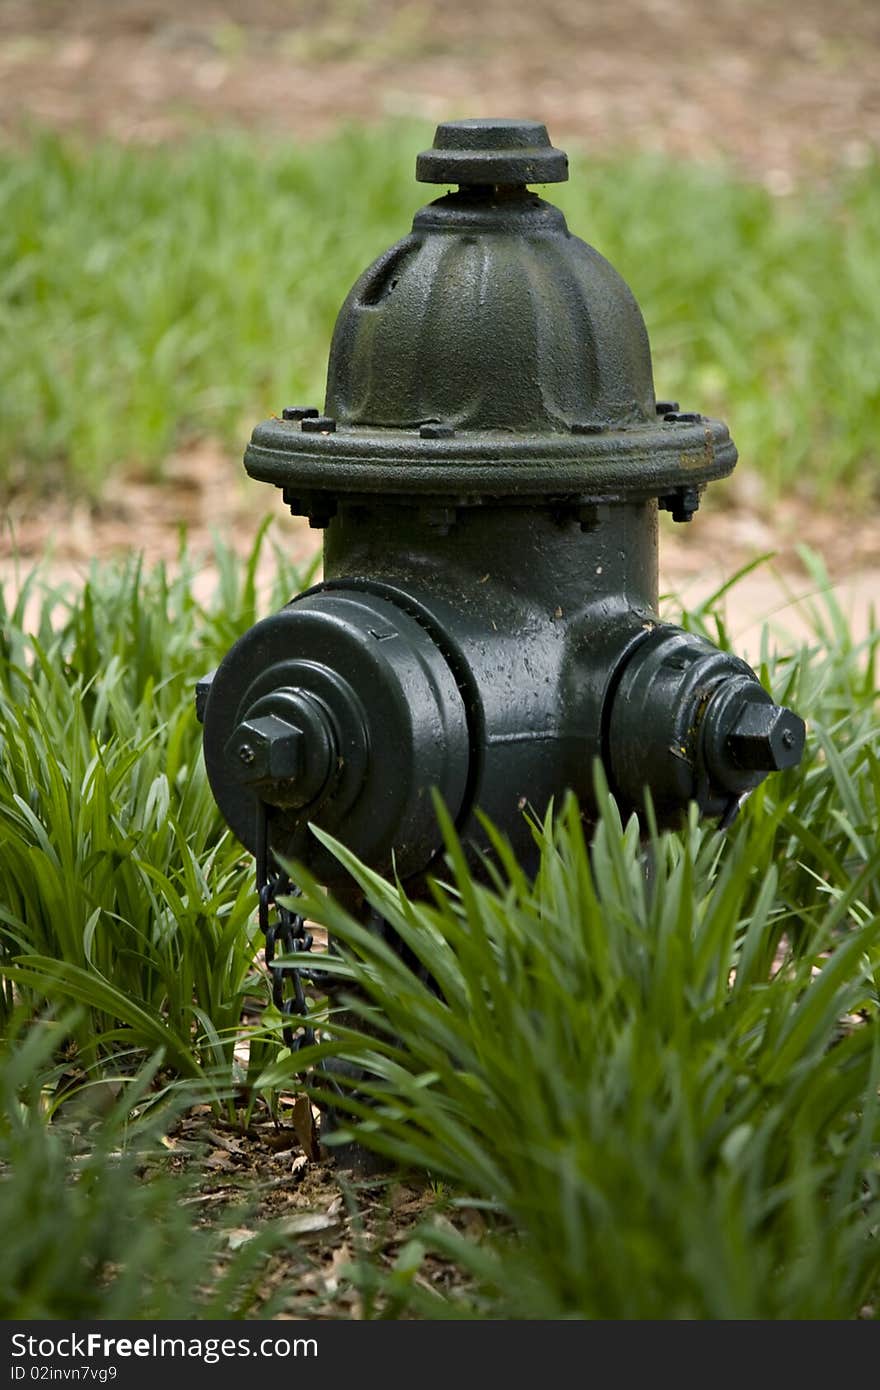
{"x": 95, "y": 1225}
{"x": 119, "y": 887}
{"x": 655, "y": 1066}
{"x": 150, "y": 296}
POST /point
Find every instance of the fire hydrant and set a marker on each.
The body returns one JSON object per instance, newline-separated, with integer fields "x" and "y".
{"x": 488, "y": 469}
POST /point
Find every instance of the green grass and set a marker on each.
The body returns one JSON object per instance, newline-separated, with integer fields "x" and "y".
{"x": 95, "y": 1225}
{"x": 118, "y": 886}
{"x": 665, "y": 1084}
{"x": 151, "y": 296}
{"x": 125, "y": 904}
{"x": 662, "y": 1092}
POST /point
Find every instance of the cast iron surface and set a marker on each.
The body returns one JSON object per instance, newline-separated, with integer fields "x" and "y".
{"x": 495, "y": 661}
{"x": 489, "y": 353}
{"x": 499, "y": 152}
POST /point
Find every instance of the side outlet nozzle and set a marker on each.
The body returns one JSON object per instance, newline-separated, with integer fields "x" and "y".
{"x": 694, "y": 724}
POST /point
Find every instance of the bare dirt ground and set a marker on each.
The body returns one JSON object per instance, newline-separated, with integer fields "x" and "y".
{"x": 777, "y": 85}
{"x": 331, "y": 1217}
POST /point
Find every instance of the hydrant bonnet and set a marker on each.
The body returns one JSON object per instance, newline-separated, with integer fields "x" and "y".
{"x": 492, "y": 321}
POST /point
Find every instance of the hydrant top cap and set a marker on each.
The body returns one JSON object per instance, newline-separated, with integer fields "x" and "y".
{"x": 499, "y": 152}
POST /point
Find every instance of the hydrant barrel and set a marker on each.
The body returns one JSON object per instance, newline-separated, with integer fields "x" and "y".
{"x": 488, "y": 468}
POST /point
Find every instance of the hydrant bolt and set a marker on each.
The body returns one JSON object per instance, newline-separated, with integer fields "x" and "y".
{"x": 318, "y": 424}
{"x": 269, "y": 749}
{"x": 283, "y": 750}
{"x": 746, "y": 736}
{"x": 766, "y": 738}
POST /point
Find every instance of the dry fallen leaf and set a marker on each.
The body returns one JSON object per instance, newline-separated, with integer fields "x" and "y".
{"x": 304, "y": 1124}
{"x": 339, "y": 1259}
{"x": 239, "y": 1237}
{"x": 221, "y": 1141}
{"x": 309, "y": 1223}
{"x": 219, "y": 1161}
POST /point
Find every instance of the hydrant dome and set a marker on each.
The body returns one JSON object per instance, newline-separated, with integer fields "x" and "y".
{"x": 490, "y": 353}
{"x": 491, "y": 315}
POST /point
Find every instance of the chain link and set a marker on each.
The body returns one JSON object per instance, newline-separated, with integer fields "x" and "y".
{"x": 287, "y": 936}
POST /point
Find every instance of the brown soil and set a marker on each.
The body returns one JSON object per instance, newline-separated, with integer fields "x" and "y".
{"x": 779, "y": 86}
{"x": 330, "y": 1215}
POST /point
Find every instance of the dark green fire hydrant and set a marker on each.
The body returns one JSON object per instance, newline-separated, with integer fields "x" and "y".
{"x": 488, "y": 470}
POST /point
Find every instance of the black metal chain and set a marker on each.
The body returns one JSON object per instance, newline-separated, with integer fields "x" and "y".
{"x": 286, "y": 935}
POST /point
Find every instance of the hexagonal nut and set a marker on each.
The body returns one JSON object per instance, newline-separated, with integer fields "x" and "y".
{"x": 265, "y": 749}
{"x": 766, "y": 738}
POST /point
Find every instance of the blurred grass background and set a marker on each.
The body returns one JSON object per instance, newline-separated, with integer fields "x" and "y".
{"x": 153, "y": 297}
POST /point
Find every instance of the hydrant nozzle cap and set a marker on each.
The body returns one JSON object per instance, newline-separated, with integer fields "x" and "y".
{"x": 486, "y": 152}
